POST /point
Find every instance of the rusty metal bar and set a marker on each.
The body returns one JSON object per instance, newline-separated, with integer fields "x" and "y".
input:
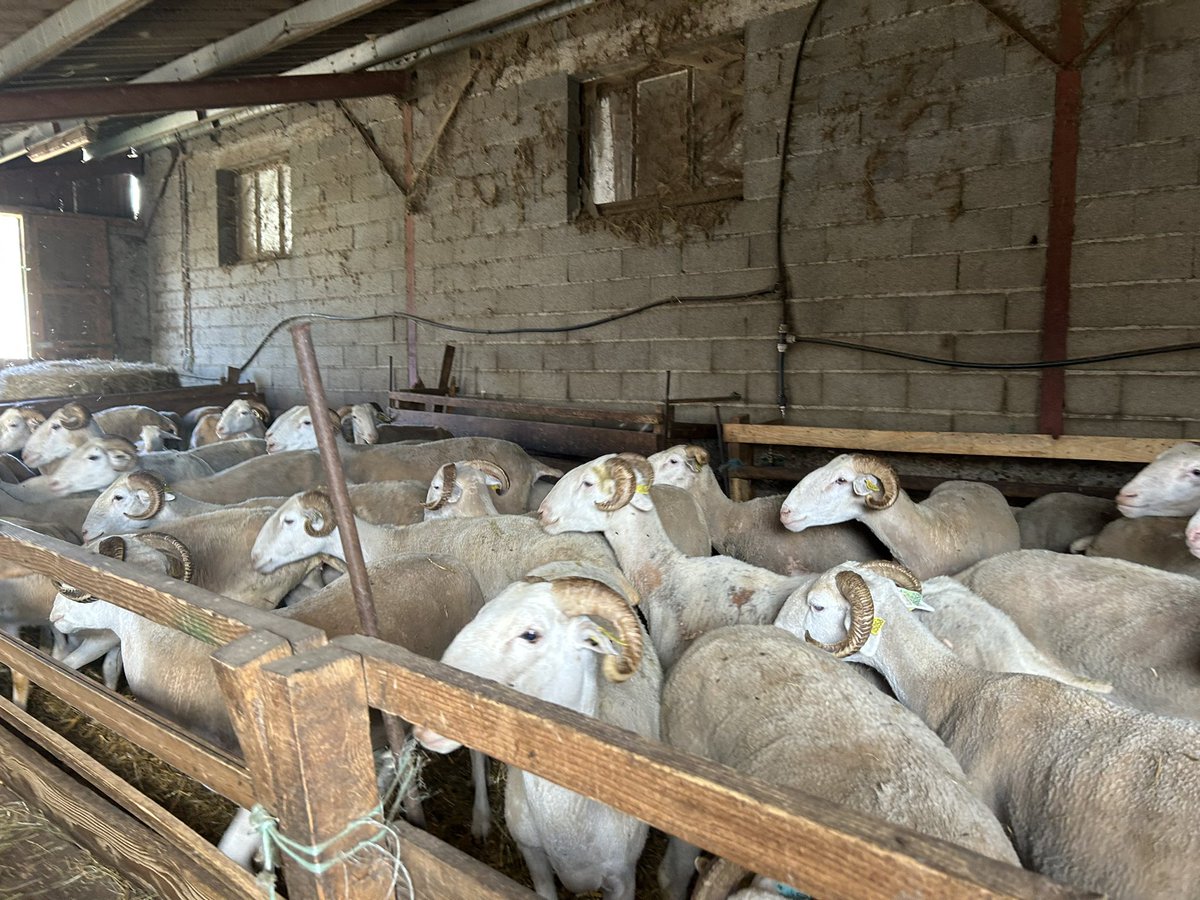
{"x": 1060, "y": 233}
{"x": 128, "y": 99}
{"x": 1102, "y": 35}
{"x": 1018, "y": 27}
{"x": 410, "y": 251}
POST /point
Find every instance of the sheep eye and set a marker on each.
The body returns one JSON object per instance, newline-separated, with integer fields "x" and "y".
{"x": 55, "y": 427}
{"x": 587, "y": 483}
{"x": 530, "y": 635}
{"x": 93, "y": 457}
{"x": 841, "y": 481}
{"x": 1196, "y": 473}
{"x": 118, "y": 498}
{"x": 289, "y": 521}
{"x": 816, "y": 608}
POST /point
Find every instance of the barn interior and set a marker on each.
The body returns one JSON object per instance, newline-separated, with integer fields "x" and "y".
{"x": 958, "y": 238}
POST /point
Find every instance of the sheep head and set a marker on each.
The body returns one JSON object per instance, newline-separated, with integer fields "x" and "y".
{"x": 540, "y": 635}
{"x": 65, "y": 429}
{"x": 585, "y": 498}
{"x": 94, "y": 465}
{"x": 679, "y": 466}
{"x": 848, "y": 487}
{"x": 302, "y": 527}
{"x": 1168, "y": 486}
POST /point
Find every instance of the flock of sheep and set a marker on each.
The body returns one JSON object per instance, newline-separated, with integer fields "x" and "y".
{"x": 943, "y": 665}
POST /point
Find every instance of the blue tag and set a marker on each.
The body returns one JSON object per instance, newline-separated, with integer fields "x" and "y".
{"x": 786, "y": 890}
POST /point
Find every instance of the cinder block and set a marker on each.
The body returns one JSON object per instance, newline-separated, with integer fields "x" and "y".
{"x": 1091, "y": 394}
{"x": 1172, "y": 116}
{"x": 594, "y": 266}
{"x": 716, "y": 255}
{"x": 863, "y": 389}
{"x": 1007, "y": 185}
{"x": 544, "y": 385}
{"x": 1160, "y": 395}
{"x": 1148, "y": 259}
{"x": 662, "y": 260}
{"x": 593, "y": 385}
{"x": 1020, "y": 267}
{"x": 955, "y": 390}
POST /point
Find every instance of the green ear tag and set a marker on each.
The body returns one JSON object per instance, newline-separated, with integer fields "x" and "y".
{"x": 914, "y": 600}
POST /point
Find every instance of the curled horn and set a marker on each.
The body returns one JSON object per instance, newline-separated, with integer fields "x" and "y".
{"x": 862, "y": 614}
{"x": 640, "y": 465}
{"x": 449, "y": 473}
{"x": 624, "y": 484}
{"x": 318, "y": 501}
{"x": 897, "y": 572}
{"x": 178, "y": 556}
{"x": 380, "y": 413}
{"x": 577, "y": 596}
{"x": 259, "y": 409}
{"x": 695, "y": 457}
{"x": 487, "y": 467}
{"x": 870, "y": 465}
{"x": 112, "y": 547}
{"x": 154, "y": 486}
{"x": 74, "y": 416}
{"x": 343, "y": 411}
{"x": 334, "y": 419}
{"x": 32, "y": 416}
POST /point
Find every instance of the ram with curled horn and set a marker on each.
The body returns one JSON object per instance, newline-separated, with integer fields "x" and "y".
{"x": 465, "y": 490}
{"x": 545, "y": 636}
{"x": 684, "y": 596}
{"x": 961, "y": 522}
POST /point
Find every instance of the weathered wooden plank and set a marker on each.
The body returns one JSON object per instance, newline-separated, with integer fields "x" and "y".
{"x": 527, "y": 409}
{"x": 184, "y": 751}
{"x": 1034, "y": 446}
{"x": 790, "y": 836}
{"x": 445, "y": 872}
{"x": 315, "y": 712}
{"x": 204, "y": 615}
{"x": 220, "y": 872}
{"x": 538, "y": 437}
{"x": 102, "y": 828}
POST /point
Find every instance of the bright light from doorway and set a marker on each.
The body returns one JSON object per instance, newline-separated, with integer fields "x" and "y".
{"x": 14, "y": 316}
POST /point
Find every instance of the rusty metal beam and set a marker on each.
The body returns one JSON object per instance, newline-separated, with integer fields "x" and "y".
{"x": 45, "y": 105}
{"x": 1060, "y": 233}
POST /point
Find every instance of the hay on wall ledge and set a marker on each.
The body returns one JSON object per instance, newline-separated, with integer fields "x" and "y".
{"x": 69, "y": 377}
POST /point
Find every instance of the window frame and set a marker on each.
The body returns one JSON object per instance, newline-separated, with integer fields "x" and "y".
{"x": 629, "y": 75}
{"x": 240, "y": 229}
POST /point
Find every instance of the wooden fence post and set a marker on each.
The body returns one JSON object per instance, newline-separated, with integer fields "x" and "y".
{"x": 303, "y": 724}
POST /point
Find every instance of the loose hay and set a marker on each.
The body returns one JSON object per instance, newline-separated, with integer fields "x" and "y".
{"x": 39, "y": 859}
{"x": 68, "y": 377}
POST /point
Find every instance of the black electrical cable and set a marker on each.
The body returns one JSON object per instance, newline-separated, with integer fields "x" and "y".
{"x": 464, "y": 329}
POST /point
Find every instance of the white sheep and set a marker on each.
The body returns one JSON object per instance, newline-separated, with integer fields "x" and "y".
{"x": 243, "y": 419}
{"x": 682, "y": 596}
{"x": 293, "y": 430}
{"x": 1192, "y": 534}
{"x": 1157, "y": 541}
{"x": 540, "y": 636}
{"x": 1132, "y": 626}
{"x": 762, "y": 701}
{"x": 1168, "y": 486}
{"x": 1094, "y": 794}
{"x": 464, "y": 489}
{"x": 17, "y": 424}
{"x": 498, "y": 549}
{"x": 98, "y": 462}
{"x": 751, "y": 530}
{"x": 1056, "y": 520}
{"x": 960, "y": 523}
{"x": 72, "y": 425}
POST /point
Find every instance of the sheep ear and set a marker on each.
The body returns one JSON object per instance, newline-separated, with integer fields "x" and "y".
{"x": 595, "y": 638}
{"x": 641, "y": 498}
{"x": 865, "y": 485}
{"x": 143, "y": 497}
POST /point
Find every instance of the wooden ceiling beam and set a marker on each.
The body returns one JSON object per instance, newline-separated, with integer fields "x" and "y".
{"x": 140, "y": 99}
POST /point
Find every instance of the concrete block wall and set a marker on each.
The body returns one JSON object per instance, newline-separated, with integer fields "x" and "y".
{"x": 915, "y": 205}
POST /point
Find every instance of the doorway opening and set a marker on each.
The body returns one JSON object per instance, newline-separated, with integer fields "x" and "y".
{"x": 14, "y": 306}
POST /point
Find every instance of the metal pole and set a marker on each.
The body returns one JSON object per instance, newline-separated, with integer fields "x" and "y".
{"x": 335, "y": 477}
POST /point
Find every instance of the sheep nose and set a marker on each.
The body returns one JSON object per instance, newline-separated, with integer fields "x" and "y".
{"x": 1126, "y": 496}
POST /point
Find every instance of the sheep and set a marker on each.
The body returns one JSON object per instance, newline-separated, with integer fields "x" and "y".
{"x": 1168, "y": 486}
{"x": 290, "y": 471}
{"x": 1156, "y": 541}
{"x": 960, "y": 523}
{"x": 464, "y": 489}
{"x": 497, "y": 549}
{"x": 69, "y": 512}
{"x": 1055, "y": 521}
{"x": 293, "y": 430}
{"x": 539, "y": 636}
{"x": 73, "y": 425}
{"x": 154, "y": 438}
{"x": 1192, "y": 534}
{"x": 226, "y": 454}
{"x": 1132, "y": 626}
{"x": 13, "y": 471}
{"x": 139, "y": 501}
{"x": 98, "y": 462}
{"x": 683, "y": 596}
{"x": 1094, "y": 794}
{"x": 204, "y": 433}
{"x": 243, "y": 419}
{"x": 751, "y": 531}
{"x": 17, "y": 423}
{"x": 761, "y": 700}
{"x": 977, "y": 632}
{"x": 363, "y": 420}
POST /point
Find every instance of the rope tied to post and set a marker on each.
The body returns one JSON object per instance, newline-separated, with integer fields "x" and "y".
{"x": 381, "y": 834}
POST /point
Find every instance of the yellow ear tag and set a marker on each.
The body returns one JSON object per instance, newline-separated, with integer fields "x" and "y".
{"x": 495, "y": 487}
{"x": 612, "y": 637}
{"x": 643, "y": 489}
{"x": 872, "y": 644}
{"x": 873, "y": 483}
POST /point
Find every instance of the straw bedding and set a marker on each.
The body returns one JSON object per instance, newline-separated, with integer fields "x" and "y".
{"x": 68, "y": 377}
